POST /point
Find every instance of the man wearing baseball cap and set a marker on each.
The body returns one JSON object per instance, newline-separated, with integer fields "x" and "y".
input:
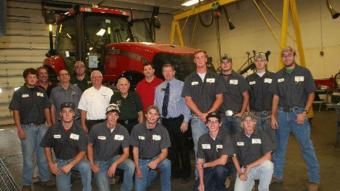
{"x": 106, "y": 141}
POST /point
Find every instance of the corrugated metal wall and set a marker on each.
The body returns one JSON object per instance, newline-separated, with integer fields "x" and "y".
{"x": 24, "y": 45}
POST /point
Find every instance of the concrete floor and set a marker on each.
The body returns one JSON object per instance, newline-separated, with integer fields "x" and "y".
{"x": 323, "y": 135}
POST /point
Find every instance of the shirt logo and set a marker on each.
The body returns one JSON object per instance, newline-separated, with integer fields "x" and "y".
{"x": 233, "y": 82}
{"x": 119, "y": 137}
{"x": 240, "y": 144}
{"x": 141, "y": 137}
{"x": 252, "y": 83}
{"x": 57, "y": 136}
{"x": 256, "y": 141}
{"x": 40, "y": 94}
{"x": 156, "y": 137}
{"x": 194, "y": 83}
{"x": 206, "y": 146}
{"x": 268, "y": 80}
{"x": 74, "y": 136}
{"x": 280, "y": 80}
{"x": 299, "y": 78}
{"x": 101, "y": 137}
{"x": 25, "y": 95}
{"x": 219, "y": 146}
{"x": 210, "y": 80}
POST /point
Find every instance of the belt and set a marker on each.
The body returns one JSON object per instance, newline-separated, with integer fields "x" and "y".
{"x": 263, "y": 113}
{"x": 33, "y": 123}
{"x": 127, "y": 121}
{"x": 144, "y": 158}
{"x": 290, "y": 109}
{"x": 172, "y": 118}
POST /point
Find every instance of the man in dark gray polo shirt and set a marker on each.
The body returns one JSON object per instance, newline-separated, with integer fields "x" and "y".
{"x": 235, "y": 99}
{"x": 253, "y": 156}
{"x": 150, "y": 141}
{"x": 203, "y": 93}
{"x": 68, "y": 142}
{"x": 107, "y": 140}
{"x": 214, "y": 148}
{"x": 64, "y": 92}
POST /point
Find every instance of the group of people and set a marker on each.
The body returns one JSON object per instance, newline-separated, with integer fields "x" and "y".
{"x": 239, "y": 126}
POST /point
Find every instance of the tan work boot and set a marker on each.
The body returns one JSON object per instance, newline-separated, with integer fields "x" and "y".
{"x": 311, "y": 186}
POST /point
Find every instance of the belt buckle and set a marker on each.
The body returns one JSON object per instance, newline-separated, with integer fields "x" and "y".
{"x": 229, "y": 113}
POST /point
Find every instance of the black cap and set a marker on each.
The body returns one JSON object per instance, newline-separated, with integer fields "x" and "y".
{"x": 67, "y": 104}
{"x": 112, "y": 108}
{"x": 213, "y": 114}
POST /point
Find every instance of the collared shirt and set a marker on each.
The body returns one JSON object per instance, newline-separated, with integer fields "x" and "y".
{"x": 95, "y": 102}
{"x": 203, "y": 93}
{"x": 146, "y": 91}
{"x": 176, "y": 105}
{"x": 235, "y": 86}
{"x": 60, "y": 95}
{"x": 210, "y": 149}
{"x": 66, "y": 144}
{"x": 49, "y": 88}
{"x": 293, "y": 88}
{"x": 150, "y": 142}
{"x": 107, "y": 143}
{"x": 82, "y": 84}
{"x": 31, "y": 103}
{"x": 250, "y": 149}
{"x": 261, "y": 91}
{"x": 129, "y": 106}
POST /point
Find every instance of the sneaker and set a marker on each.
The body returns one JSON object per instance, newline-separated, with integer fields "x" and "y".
{"x": 49, "y": 183}
{"x": 35, "y": 179}
{"x": 276, "y": 180}
{"x": 311, "y": 186}
{"x": 26, "y": 188}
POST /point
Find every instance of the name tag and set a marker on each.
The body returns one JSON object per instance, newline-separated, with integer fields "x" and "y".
{"x": 141, "y": 137}
{"x": 256, "y": 141}
{"x": 233, "y": 82}
{"x": 101, "y": 137}
{"x": 156, "y": 137}
{"x": 219, "y": 146}
{"x": 74, "y": 136}
{"x": 206, "y": 146}
{"x": 252, "y": 83}
{"x": 268, "y": 80}
{"x": 57, "y": 136}
{"x": 119, "y": 137}
{"x": 194, "y": 83}
{"x": 280, "y": 80}
{"x": 211, "y": 80}
{"x": 25, "y": 95}
{"x": 40, "y": 94}
{"x": 299, "y": 78}
{"x": 240, "y": 143}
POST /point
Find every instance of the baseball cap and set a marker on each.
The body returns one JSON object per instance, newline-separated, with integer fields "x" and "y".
{"x": 227, "y": 58}
{"x": 213, "y": 114}
{"x": 260, "y": 55}
{"x": 112, "y": 108}
{"x": 67, "y": 105}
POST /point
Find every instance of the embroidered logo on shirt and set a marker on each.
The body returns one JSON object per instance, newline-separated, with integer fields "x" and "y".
{"x": 299, "y": 78}
{"x": 74, "y": 136}
{"x": 40, "y": 94}
{"x": 280, "y": 80}
{"x": 206, "y": 146}
{"x": 210, "y": 80}
{"x": 25, "y": 95}
{"x": 156, "y": 137}
{"x": 252, "y": 83}
{"x": 101, "y": 137}
{"x": 219, "y": 146}
{"x": 119, "y": 137}
{"x": 268, "y": 80}
{"x": 256, "y": 141}
{"x": 233, "y": 82}
{"x": 57, "y": 136}
{"x": 141, "y": 137}
{"x": 194, "y": 83}
{"x": 240, "y": 144}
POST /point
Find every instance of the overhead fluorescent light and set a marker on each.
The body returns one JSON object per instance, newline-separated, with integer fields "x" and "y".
{"x": 191, "y": 2}
{"x": 101, "y": 32}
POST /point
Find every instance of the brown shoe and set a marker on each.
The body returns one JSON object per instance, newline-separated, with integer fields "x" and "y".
{"x": 49, "y": 183}
{"x": 26, "y": 188}
{"x": 311, "y": 186}
{"x": 276, "y": 180}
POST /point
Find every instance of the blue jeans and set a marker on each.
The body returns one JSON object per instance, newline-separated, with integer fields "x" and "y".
{"x": 214, "y": 178}
{"x": 102, "y": 180}
{"x": 148, "y": 175}
{"x": 64, "y": 180}
{"x": 262, "y": 172}
{"x": 30, "y": 147}
{"x": 263, "y": 122}
{"x": 287, "y": 124}
{"x": 198, "y": 128}
{"x": 231, "y": 124}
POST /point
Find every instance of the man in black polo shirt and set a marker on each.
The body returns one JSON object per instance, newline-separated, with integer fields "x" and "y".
{"x": 150, "y": 141}
{"x": 107, "y": 140}
{"x": 253, "y": 156}
{"x": 235, "y": 99}
{"x": 31, "y": 116}
{"x": 68, "y": 142}
{"x": 261, "y": 94}
{"x": 214, "y": 148}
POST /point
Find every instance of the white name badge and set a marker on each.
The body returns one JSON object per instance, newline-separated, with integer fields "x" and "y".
{"x": 268, "y": 80}
{"x": 240, "y": 143}
{"x": 156, "y": 137}
{"x": 299, "y": 78}
{"x": 74, "y": 136}
{"x": 40, "y": 94}
{"x": 206, "y": 146}
{"x": 233, "y": 82}
{"x": 219, "y": 146}
{"x": 252, "y": 83}
{"x": 25, "y": 95}
{"x": 141, "y": 137}
{"x": 194, "y": 83}
{"x": 280, "y": 80}
{"x": 211, "y": 80}
{"x": 57, "y": 136}
{"x": 119, "y": 137}
{"x": 256, "y": 141}
{"x": 101, "y": 137}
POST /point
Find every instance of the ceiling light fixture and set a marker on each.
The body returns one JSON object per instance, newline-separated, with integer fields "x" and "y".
{"x": 191, "y": 2}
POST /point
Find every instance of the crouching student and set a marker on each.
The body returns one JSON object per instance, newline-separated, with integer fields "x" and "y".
{"x": 253, "y": 156}
{"x": 213, "y": 150}
{"x": 68, "y": 142}
{"x": 106, "y": 141}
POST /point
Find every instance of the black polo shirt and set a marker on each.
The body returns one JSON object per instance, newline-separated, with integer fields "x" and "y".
{"x": 250, "y": 149}
{"x": 66, "y": 144}
{"x": 261, "y": 91}
{"x": 203, "y": 93}
{"x": 150, "y": 142}
{"x": 210, "y": 149}
{"x": 31, "y": 103}
{"x": 107, "y": 143}
{"x": 235, "y": 85}
{"x": 129, "y": 106}
{"x": 293, "y": 88}
{"x": 82, "y": 84}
